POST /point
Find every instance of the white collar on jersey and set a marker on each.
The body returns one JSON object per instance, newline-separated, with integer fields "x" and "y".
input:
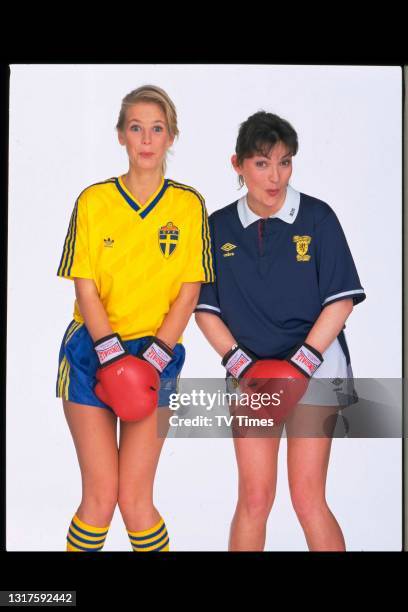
{"x": 288, "y": 212}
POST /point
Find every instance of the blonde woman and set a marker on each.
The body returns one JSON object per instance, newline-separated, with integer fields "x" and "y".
{"x": 137, "y": 249}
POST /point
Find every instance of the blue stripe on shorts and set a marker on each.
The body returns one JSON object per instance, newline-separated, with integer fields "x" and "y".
{"x": 78, "y": 363}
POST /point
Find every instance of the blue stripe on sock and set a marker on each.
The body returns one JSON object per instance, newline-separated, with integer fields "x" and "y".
{"x": 82, "y": 547}
{"x": 164, "y": 545}
{"x": 89, "y": 533}
{"x": 147, "y": 537}
{"x": 100, "y": 541}
{"x": 164, "y": 536}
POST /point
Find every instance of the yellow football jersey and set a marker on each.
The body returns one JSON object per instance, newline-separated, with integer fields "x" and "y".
{"x": 137, "y": 255}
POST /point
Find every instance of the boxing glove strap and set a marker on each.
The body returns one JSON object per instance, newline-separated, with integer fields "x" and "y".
{"x": 109, "y": 348}
{"x": 157, "y": 353}
{"x": 306, "y": 359}
{"x": 238, "y": 360}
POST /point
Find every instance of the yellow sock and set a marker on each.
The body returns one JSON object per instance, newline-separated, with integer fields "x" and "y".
{"x": 154, "y": 539}
{"x": 82, "y": 537}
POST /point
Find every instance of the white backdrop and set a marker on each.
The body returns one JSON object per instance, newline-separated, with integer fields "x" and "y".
{"x": 62, "y": 139}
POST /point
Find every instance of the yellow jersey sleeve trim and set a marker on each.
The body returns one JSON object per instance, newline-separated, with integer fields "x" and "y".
{"x": 75, "y": 260}
{"x": 68, "y": 251}
{"x": 207, "y": 261}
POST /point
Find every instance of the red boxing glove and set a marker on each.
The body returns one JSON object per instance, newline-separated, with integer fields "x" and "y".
{"x": 130, "y": 386}
{"x": 284, "y": 381}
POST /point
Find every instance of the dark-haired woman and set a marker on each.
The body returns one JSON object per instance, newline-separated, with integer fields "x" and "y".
{"x": 285, "y": 284}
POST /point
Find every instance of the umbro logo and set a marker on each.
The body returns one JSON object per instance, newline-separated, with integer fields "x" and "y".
{"x": 108, "y": 242}
{"x": 227, "y": 248}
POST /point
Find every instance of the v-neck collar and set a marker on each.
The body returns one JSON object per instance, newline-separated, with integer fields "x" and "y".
{"x": 148, "y": 206}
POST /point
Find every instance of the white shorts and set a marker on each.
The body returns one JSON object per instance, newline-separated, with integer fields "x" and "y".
{"x": 333, "y": 382}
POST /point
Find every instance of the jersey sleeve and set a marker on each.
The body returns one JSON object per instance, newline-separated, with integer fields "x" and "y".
{"x": 200, "y": 261}
{"x": 338, "y": 277}
{"x": 75, "y": 260}
{"x": 208, "y": 300}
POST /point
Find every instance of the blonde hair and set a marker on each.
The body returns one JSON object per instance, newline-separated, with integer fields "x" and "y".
{"x": 155, "y": 95}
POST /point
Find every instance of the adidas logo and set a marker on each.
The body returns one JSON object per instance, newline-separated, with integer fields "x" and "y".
{"x": 108, "y": 242}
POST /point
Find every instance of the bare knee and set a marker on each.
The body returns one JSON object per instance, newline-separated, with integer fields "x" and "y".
{"x": 100, "y": 501}
{"x": 307, "y": 502}
{"x": 132, "y": 501}
{"x": 257, "y": 502}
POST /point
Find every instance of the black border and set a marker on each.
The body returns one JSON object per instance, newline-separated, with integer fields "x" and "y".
{"x": 4, "y": 123}
{"x": 403, "y": 325}
{"x": 53, "y": 570}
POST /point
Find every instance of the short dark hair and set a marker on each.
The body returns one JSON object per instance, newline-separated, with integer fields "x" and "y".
{"x": 261, "y": 132}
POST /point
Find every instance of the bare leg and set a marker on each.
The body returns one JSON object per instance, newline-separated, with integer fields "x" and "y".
{"x": 139, "y": 452}
{"x": 257, "y": 472}
{"x": 94, "y": 434}
{"x": 308, "y": 460}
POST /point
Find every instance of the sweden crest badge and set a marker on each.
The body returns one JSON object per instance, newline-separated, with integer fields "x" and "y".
{"x": 168, "y": 238}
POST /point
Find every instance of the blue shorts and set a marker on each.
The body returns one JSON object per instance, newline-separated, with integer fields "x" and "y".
{"x": 78, "y": 363}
